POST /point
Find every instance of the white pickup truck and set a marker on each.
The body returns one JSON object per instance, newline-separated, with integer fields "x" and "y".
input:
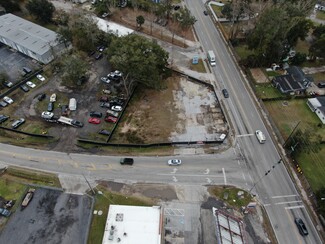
{"x": 260, "y": 136}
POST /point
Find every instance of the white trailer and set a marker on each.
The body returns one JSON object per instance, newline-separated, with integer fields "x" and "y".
{"x": 211, "y": 58}
{"x": 65, "y": 120}
{"x": 260, "y": 136}
{"x": 72, "y": 104}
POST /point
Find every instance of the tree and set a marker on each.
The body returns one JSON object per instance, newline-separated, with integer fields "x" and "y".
{"x": 10, "y": 5}
{"x": 317, "y": 49}
{"x": 140, "y": 20}
{"x": 73, "y": 67}
{"x": 319, "y": 31}
{"x": 186, "y": 20}
{"x": 140, "y": 60}
{"x": 42, "y": 9}
{"x": 320, "y": 197}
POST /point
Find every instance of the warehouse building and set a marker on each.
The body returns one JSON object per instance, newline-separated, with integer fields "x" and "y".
{"x": 30, "y": 39}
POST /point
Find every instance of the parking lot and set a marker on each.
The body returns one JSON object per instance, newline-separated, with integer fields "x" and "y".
{"x": 51, "y": 217}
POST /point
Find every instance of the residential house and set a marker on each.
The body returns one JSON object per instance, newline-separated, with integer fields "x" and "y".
{"x": 317, "y": 105}
{"x": 294, "y": 81}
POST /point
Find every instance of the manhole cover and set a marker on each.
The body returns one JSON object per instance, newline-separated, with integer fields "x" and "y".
{"x": 100, "y": 212}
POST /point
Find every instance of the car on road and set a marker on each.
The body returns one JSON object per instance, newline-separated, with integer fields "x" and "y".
{"x": 40, "y": 77}
{"x": 17, "y": 123}
{"x": 5, "y": 212}
{"x": 105, "y": 105}
{"x": 30, "y": 84}
{"x": 8, "y": 100}
{"x": 110, "y": 119}
{"x": 93, "y": 120}
{"x": 50, "y": 107}
{"x": 53, "y": 98}
{"x": 117, "y": 108}
{"x": 41, "y": 97}
{"x": 174, "y": 162}
{"x": 225, "y": 93}
{"x": 128, "y": 161}
{"x": 24, "y": 88}
{"x": 77, "y": 123}
{"x": 104, "y": 132}
{"x": 205, "y": 12}
{"x": 47, "y": 115}
{"x": 3, "y": 118}
{"x": 95, "y": 114}
{"x": 301, "y": 226}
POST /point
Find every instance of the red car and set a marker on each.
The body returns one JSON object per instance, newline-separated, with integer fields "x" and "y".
{"x": 94, "y": 121}
{"x": 110, "y": 119}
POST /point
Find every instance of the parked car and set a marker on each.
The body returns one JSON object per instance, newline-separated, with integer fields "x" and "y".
{"x": 128, "y": 161}
{"x": 3, "y": 118}
{"x": 30, "y": 84}
{"x": 27, "y": 70}
{"x": 105, "y": 91}
{"x": 64, "y": 110}
{"x": 110, "y": 119}
{"x": 225, "y": 93}
{"x": 40, "y": 77}
{"x": 103, "y": 99}
{"x": 118, "y": 73}
{"x": 41, "y": 97}
{"x": 177, "y": 7}
{"x": 5, "y": 212}
{"x": 301, "y": 226}
{"x": 101, "y": 48}
{"x": 3, "y": 104}
{"x": 53, "y": 98}
{"x": 50, "y": 107}
{"x": 77, "y": 123}
{"x": 174, "y": 162}
{"x": 17, "y": 123}
{"x": 104, "y": 132}
{"x": 104, "y": 15}
{"x": 205, "y": 12}
{"x": 112, "y": 113}
{"x": 95, "y": 114}
{"x": 117, "y": 108}
{"x": 105, "y": 80}
{"x": 113, "y": 76}
{"x": 321, "y": 84}
{"x": 8, "y": 100}
{"x": 24, "y": 88}
{"x": 105, "y": 105}
{"x": 93, "y": 120}
{"x": 8, "y": 84}
{"x": 98, "y": 56}
{"x": 47, "y": 115}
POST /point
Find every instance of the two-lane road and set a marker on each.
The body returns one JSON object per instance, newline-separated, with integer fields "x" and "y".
{"x": 275, "y": 190}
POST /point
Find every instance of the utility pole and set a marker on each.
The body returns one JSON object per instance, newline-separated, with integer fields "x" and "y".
{"x": 294, "y": 129}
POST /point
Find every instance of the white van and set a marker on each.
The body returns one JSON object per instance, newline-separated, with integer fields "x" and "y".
{"x": 260, "y": 136}
{"x": 73, "y": 104}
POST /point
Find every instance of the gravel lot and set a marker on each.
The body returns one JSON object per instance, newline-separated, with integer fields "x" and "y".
{"x": 51, "y": 217}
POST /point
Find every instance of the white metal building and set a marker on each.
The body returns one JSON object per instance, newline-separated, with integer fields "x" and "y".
{"x": 30, "y": 39}
{"x": 317, "y": 105}
{"x": 133, "y": 224}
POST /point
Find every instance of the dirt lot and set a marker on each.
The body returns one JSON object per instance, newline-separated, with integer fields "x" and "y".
{"x": 51, "y": 217}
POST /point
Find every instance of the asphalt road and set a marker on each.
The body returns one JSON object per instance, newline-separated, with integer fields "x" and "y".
{"x": 275, "y": 190}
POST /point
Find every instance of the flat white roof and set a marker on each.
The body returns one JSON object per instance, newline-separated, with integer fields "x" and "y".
{"x": 132, "y": 224}
{"x": 109, "y": 26}
{"x": 27, "y": 34}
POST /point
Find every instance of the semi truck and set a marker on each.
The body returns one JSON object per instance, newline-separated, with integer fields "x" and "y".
{"x": 211, "y": 58}
{"x": 260, "y": 136}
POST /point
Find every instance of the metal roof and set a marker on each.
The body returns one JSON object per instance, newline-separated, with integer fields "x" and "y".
{"x": 27, "y": 34}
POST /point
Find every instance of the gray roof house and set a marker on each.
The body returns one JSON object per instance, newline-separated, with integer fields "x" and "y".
{"x": 293, "y": 81}
{"x": 317, "y": 105}
{"x": 30, "y": 39}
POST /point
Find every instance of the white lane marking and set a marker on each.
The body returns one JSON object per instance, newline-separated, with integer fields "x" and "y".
{"x": 284, "y": 196}
{"x": 244, "y": 176}
{"x": 224, "y": 175}
{"x": 216, "y": 176}
{"x": 207, "y": 171}
{"x": 175, "y": 179}
{"x": 209, "y": 181}
{"x": 301, "y": 206}
{"x": 174, "y": 212}
{"x": 174, "y": 171}
{"x": 267, "y": 204}
{"x": 279, "y": 203}
{"x": 244, "y": 135}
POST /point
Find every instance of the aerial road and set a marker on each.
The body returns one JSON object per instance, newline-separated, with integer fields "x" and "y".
{"x": 272, "y": 183}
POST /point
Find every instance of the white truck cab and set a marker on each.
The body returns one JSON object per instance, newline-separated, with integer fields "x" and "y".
{"x": 260, "y": 136}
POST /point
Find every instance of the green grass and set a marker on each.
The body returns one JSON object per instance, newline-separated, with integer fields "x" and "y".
{"x": 320, "y": 15}
{"x": 302, "y": 46}
{"x": 313, "y": 167}
{"x": 11, "y": 190}
{"x": 217, "y": 10}
{"x": 267, "y": 91}
{"x": 102, "y": 202}
{"x": 242, "y": 51}
{"x": 318, "y": 76}
{"x": 233, "y": 200}
{"x": 198, "y": 67}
